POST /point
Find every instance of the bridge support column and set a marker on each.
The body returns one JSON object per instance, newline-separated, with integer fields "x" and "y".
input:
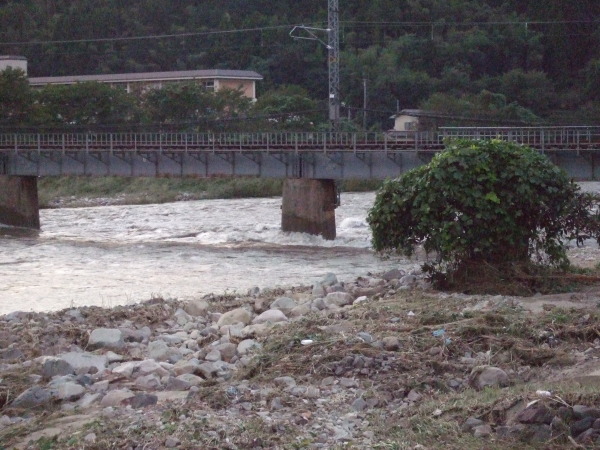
{"x": 19, "y": 205}
{"x": 309, "y": 206}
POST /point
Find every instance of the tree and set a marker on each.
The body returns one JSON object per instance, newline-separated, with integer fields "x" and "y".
{"x": 478, "y": 202}
{"x": 81, "y": 104}
{"x": 288, "y": 108}
{"x": 15, "y": 98}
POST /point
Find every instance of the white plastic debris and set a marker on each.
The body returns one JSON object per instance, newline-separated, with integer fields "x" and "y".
{"x": 306, "y": 341}
{"x": 411, "y": 314}
{"x": 543, "y": 393}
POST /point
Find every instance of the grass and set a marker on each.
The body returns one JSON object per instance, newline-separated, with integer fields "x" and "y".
{"x": 53, "y": 191}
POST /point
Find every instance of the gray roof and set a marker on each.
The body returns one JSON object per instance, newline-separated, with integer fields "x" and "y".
{"x": 12, "y": 57}
{"x": 151, "y": 76}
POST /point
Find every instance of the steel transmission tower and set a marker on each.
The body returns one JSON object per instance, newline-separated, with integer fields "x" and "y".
{"x": 333, "y": 48}
{"x": 333, "y": 30}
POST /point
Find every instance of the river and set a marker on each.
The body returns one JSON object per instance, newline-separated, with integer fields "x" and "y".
{"x": 115, "y": 255}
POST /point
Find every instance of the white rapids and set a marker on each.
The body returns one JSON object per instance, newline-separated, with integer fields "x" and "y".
{"x": 115, "y": 255}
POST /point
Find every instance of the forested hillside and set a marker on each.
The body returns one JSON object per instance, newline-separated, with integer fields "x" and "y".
{"x": 532, "y": 62}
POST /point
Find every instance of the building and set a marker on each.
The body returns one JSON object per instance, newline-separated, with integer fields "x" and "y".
{"x": 13, "y": 62}
{"x": 213, "y": 80}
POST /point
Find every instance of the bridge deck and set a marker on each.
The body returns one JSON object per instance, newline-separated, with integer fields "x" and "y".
{"x": 307, "y": 154}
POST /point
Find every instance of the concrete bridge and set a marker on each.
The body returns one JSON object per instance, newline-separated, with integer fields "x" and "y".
{"x": 309, "y": 161}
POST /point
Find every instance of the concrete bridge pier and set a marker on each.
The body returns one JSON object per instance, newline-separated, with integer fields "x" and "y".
{"x": 309, "y": 206}
{"x": 19, "y": 205}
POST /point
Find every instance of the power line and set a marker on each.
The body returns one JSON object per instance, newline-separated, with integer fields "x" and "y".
{"x": 466, "y": 23}
{"x": 147, "y": 37}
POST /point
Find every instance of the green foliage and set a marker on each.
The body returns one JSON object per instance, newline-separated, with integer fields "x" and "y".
{"x": 482, "y": 201}
{"x": 89, "y": 103}
{"x": 15, "y": 97}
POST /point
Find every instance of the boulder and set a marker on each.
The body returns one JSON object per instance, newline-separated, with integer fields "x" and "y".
{"x": 69, "y": 391}
{"x": 116, "y": 397}
{"x": 338, "y": 299}
{"x": 83, "y": 360}
{"x": 106, "y": 338}
{"x": 56, "y": 366}
{"x": 160, "y": 351}
{"x": 270, "y": 315}
{"x": 234, "y": 316}
{"x": 483, "y": 376}
{"x": 198, "y": 307}
{"x": 32, "y": 398}
{"x": 284, "y": 304}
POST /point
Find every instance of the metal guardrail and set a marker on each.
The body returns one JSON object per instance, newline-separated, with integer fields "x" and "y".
{"x": 542, "y": 138}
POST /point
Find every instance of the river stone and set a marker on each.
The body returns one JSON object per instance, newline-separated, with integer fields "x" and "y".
{"x": 234, "y": 316}
{"x": 318, "y": 290}
{"x": 160, "y": 351}
{"x": 391, "y": 343}
{"x": 84, "y": 360}
{"x": 148, "y": 382}
{"x": 394, "y": 274}
{"x": 483, "y": 376}
{"x": 284, "y": 304}
{"x": 186, "y": 366}
{"x": 125, "y": 369}
{"x": 106, "y": 338}
{"x": 33, "y": 397}
{"x": 190, "y": 379}
{"x": 69, "y": 391}
{"x": 149, "y": 366}
{"x": 227, "y": 351}
{"x": 271, "y": 315}
{"x": 207, "y": 369}
{"x": 142, "y": 400}
{"x": 56, "y": 366}
{"x": 338, "y": 299}
{"x": 116, "y": 397}
{"x": 245, "y": 346}
{"x": 300, "y": 310}
{"x": 328, "y": 280}
{"x": 213, "y": 356}
{"x": 197, "y": 307}
{"x": 182, "y": 317}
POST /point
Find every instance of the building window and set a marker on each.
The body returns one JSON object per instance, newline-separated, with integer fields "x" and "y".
{"x": 209, "y": 85}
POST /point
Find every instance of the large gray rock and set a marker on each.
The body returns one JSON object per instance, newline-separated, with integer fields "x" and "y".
{"x": 148, "y": 382}
{"x": 116, "y": 397}
{"x": 338, "y": 299}
{"x": 106, "y": 338}
{"x": 69, "y": 391}
{"x": 191, "y": 379}
{"x": 227, "y": 351}
{"x": 198, "y": 307}
{"x": 82, "y": 360}
{"x": 284, "y": 304}
{"x": 149, "y": 366}
{"x": 56, "y": 366}
{"x": 247, "y": 345}
{"x": 329, "y": 280}
{"x": 483, "y": 376}
{"x": 234, "y": 316}
{"x": 160, "y": 351}
{"x": 270, "y": 315}
{"x": 32, "y": 398}
{"x": 182, "y": 317}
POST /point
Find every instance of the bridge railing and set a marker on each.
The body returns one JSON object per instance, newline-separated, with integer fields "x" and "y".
{"x": 543, "y": 138}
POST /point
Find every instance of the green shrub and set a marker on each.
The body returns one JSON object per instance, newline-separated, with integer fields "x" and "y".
{"x": 482, "y": 201}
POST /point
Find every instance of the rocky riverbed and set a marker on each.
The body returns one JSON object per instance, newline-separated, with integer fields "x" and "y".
{"x": 382, "y": 362}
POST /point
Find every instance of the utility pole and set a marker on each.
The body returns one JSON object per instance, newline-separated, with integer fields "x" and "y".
{"x": 364, "y": 104}
{"x": 333, "y": 29}
{"x": 333, "y": 57}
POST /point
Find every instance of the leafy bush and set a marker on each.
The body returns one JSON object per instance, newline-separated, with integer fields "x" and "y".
{"x": 483, "y": 201}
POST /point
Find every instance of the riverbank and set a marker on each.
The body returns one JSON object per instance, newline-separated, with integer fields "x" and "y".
{"x": 381, "y": 362}
{"x": 57, "y": 192}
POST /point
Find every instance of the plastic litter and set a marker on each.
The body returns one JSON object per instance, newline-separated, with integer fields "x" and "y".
{"x": 306, "y": 341}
